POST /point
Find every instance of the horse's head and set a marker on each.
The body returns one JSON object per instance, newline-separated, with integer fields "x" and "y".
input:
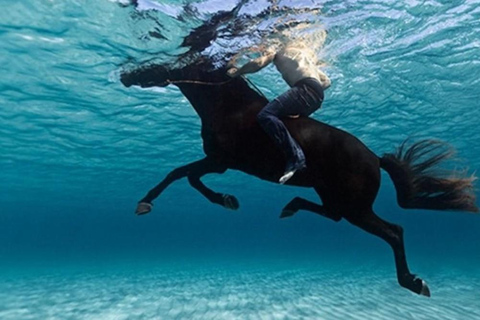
{"x": 155, "y": 75}
{"x": 146, "y": 76}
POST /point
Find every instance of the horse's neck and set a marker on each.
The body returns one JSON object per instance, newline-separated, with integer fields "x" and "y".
{"x": 215, "y": 104}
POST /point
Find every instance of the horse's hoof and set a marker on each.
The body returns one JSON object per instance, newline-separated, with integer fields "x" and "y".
{"x": 425, "y": 290}
{"x": 417, "y": 285}
{"x": 287, "y": 213}
{"x": 143, "y": 208}
{"x": 230, "y": 202}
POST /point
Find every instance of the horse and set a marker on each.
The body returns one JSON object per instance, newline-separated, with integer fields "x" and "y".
{"x": 340, "y": 168}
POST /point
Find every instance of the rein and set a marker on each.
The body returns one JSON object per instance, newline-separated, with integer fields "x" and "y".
{"x": 206, "y": 83}
{"x": 198, "y": 82}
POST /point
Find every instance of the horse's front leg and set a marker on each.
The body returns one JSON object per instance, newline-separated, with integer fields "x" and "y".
{"x": 194, "y": 171}
{"x": 226, "y": 200}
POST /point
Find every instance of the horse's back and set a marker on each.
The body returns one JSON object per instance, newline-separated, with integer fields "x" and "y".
{"x": 320, "y": 140}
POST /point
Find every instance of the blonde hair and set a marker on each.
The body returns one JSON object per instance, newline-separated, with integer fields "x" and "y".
{"x": 306, "y": 35}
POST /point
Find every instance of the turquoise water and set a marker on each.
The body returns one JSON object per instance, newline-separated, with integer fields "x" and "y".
{"x": 78, "y": 150}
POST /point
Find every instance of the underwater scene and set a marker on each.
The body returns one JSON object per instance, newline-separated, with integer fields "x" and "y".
{"x": 143, "y": 143}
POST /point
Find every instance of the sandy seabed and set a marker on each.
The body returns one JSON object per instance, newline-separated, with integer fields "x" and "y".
{"x": 211, "y": 292}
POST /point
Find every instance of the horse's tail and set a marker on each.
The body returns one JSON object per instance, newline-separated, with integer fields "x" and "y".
{"x": 419, "y": 182}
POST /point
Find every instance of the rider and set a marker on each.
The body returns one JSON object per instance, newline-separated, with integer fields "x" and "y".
{"x": 299, "y": 67}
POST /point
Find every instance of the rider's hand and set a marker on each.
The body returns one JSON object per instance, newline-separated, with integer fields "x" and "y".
{"x": 232, "y": 72}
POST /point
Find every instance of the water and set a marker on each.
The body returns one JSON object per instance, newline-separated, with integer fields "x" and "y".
{"x": 78, "y": 150}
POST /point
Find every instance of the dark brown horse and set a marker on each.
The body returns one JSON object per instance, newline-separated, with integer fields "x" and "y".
{"x": 341, "y": 169}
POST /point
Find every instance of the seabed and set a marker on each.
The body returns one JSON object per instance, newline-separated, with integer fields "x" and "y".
{"x": 237, "y": 291}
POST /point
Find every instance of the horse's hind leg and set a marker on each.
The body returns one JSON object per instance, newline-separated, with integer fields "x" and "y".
{"x": 393, "y": 235}
{"x": 302, "y": 204}
{"x": 194, "y": 171}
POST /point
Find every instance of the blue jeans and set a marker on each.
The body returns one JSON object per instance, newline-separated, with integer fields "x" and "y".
{"x": 298, "y": 100}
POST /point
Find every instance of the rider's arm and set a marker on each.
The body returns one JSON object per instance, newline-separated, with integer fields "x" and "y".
{"x": 324, "y": 80}
{"x": 253, "y": 65}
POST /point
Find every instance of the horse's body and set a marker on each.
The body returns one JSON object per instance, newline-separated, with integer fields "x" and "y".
{"x": 341, "y": 169}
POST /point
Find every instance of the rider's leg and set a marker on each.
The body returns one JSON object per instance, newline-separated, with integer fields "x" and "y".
{"x": 269, "y": 119}
{"x": 290, "y": 103}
